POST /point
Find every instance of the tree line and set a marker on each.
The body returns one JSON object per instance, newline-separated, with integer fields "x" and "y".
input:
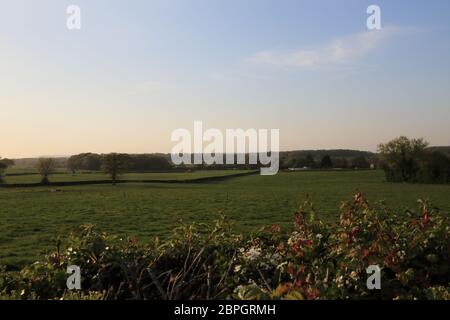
{"x": 402, "y": 159}
{"x": 134, "y": 162}
{"x": 328, "y": 162}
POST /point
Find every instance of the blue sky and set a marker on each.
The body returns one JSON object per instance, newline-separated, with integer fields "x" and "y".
{"x": 137, "y": 70}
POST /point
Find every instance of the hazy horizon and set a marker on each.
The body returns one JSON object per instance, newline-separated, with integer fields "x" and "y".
{"x": 137, "y": 71}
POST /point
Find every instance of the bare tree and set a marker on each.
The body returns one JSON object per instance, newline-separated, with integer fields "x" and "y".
{"x": 114, "y": 164}
{"x": 45, "y": 166}
{"x": 72, "y": 164}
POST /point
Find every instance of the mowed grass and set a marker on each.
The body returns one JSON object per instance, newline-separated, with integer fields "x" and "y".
{"x": 32, "y": 218}
{"x": 63, "y": 177}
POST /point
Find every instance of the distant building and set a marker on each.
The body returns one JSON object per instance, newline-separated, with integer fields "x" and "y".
{"x": 298, "y": 169}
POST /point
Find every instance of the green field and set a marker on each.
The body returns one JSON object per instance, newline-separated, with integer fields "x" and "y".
{"x": 32, "y": 218}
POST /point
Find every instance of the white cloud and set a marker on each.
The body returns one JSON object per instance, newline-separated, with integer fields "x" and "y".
{"x": 339, "y": 51}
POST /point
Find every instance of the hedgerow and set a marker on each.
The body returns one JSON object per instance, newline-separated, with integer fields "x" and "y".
{"x": 315, "y": 261}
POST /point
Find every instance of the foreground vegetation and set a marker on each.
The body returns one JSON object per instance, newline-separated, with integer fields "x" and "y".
{"x": 314, "y": 261}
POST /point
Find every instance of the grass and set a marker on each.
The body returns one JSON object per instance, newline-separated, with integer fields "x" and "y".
{"x": 31, "y": 218}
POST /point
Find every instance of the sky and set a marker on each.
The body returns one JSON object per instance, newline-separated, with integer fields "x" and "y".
{"x": 138, "y": 70}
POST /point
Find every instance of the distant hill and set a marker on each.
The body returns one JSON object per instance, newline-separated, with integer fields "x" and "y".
{"x": 443, "y": 149}
{"x": 333, "y": 153}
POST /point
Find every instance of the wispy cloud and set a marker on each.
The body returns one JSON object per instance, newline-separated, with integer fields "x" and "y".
{"x": 340, "y": 50}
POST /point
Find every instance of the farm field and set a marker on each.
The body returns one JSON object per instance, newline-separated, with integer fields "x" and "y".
{"x": 32, "y": 218}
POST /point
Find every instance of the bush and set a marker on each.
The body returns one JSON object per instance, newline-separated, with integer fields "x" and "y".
{"x": 315, "y": 261}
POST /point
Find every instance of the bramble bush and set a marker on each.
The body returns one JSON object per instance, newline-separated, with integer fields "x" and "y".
{"x": 314, "y": 261}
